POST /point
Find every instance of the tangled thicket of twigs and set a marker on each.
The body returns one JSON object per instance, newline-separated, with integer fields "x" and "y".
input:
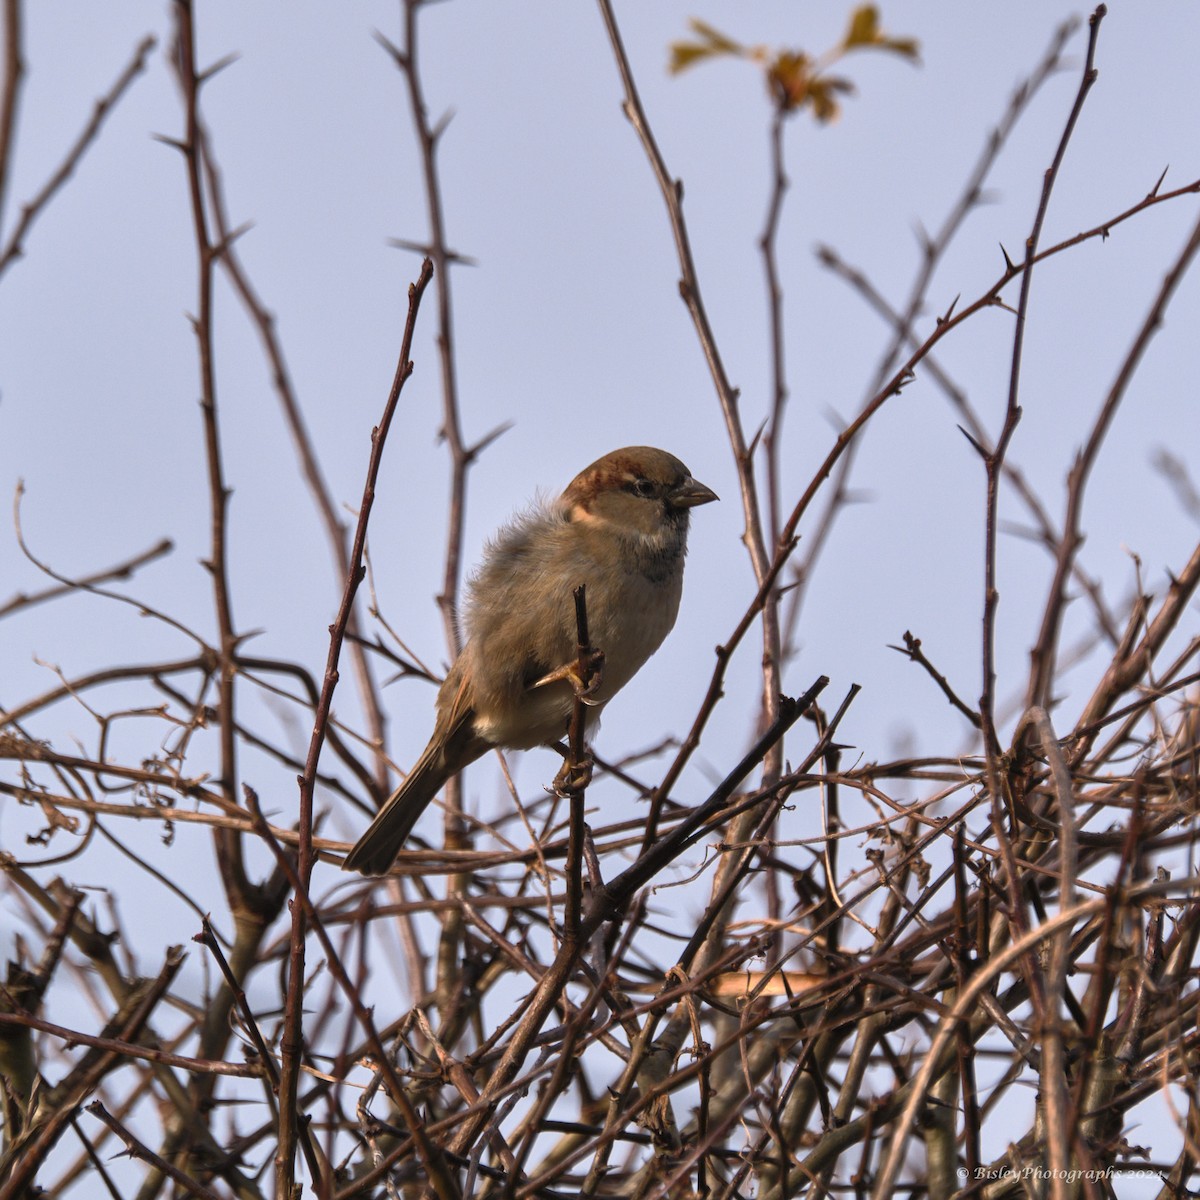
{"x": 1009, "y": 946}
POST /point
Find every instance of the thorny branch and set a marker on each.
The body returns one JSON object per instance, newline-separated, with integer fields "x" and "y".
{"x": 293, "y": 1036}
{"x": 13, "y": 246}
{"x": 720, "y": 998}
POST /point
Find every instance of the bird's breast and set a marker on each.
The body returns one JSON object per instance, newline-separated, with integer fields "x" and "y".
{"x": 521, "y": 619}
{"x": 628, "y": 620}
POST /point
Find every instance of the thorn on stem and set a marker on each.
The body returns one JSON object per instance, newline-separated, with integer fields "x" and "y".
{"x": 978, "y": 448}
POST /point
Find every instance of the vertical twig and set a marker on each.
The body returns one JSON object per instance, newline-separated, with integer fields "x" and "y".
{"x": 292, "y": 1045}
{"x": 10, "y": 92}
{"x": 1053, "y": 1085}
{"x": 217, "y": 564}
{"x": 994, "y": 462}
{"x": 430, "y": 1154}
{"x": 727, "y": 396}
{"x": 575, "y": 768}
{"x": 460, "y": 455}
{"x": 407, "y": 58}
{"x": 335, "y": 528}
{"x": 768, "y": 245}
{"x": 1043, "y": 657}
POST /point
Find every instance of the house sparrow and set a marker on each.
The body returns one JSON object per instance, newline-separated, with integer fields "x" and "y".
{"x": 620, "y": 528}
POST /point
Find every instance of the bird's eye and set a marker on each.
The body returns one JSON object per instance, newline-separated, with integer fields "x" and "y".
{"x": 640, "y": 487}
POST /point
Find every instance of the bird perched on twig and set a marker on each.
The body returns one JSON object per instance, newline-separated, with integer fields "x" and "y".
{"x": 620, "y": 529}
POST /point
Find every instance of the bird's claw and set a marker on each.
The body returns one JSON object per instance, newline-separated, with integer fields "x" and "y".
{"x": 574, "y": 777}
{"x": 584, "y": 687}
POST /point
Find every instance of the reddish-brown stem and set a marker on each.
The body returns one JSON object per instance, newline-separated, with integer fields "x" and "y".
{"x": 292, "y": 1045}
{"x": 994, "y": 462}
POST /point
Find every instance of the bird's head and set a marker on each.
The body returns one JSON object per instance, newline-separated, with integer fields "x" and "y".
{"x": 638, "y": 492}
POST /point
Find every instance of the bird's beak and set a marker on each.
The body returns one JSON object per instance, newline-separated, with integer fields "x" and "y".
{"x": 690, "y": 493}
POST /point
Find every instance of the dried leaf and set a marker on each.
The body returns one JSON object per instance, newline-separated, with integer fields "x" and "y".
{"x": 823, "y": 93}
{"x": 710, "y": 43}
{"x": 686, "y": 54}
{"x": 720, "y": 42}
{"x": 789, "y": 77}
{"x": 865, "y": 32}
{"x": 794, "y": 79}
{"x": 864, "y": 26}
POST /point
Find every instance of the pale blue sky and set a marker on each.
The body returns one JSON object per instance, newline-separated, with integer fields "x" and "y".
{"x": 570, "y": 327}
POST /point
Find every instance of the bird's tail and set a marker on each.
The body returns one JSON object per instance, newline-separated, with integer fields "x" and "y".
{"x": 376, "y": 850}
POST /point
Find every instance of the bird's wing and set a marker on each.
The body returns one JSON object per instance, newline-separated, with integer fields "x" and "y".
{"x": 454, "y": 708}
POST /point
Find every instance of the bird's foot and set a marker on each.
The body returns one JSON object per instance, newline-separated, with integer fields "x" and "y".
{"x": 584, "y": 686}
{"x": 574, "y": 776}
